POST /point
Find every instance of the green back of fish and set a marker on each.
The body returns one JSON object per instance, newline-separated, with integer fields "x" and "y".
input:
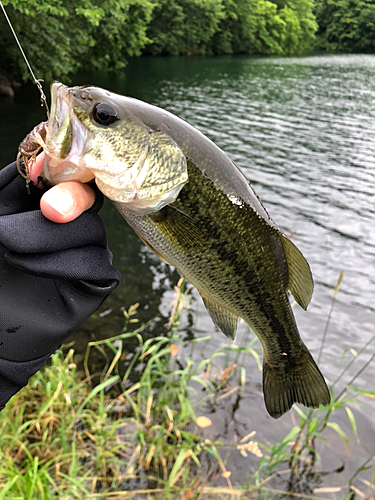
{"x": 213, "y": 228}
{"x": 242, "y": 267}
{"x": 230, "y": 253}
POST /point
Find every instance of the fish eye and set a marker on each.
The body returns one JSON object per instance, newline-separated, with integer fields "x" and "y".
{"x": 104, "y": 113}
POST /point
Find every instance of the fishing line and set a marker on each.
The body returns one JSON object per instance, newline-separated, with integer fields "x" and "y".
{"x": 43, "y": 98}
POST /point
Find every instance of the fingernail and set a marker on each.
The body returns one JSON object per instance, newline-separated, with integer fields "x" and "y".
{"x": 62, "y": 202}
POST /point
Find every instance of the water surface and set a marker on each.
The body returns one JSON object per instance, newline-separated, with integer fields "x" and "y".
{"x": 302, "y": 130}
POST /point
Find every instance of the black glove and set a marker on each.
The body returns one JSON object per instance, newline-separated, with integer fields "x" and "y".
{"x": 52, "y": 278}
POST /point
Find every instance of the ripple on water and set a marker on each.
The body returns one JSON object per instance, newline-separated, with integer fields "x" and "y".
{"x": 302, "y": 130}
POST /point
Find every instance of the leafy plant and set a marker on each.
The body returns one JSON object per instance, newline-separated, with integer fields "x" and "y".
{"x": 70, "y": 434}
{"x": 346, "y": 25}
{"x": 61, "y": 37}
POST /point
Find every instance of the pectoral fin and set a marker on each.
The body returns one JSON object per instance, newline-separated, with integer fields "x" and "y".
{"x": 223, "y": 319}
{"x": 180, "y": 229}
{"x": 300, "y": 280}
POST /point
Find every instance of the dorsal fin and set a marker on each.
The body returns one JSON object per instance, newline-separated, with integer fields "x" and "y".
{"x": 223, "y": 319}
{"x": 300, "y": 280}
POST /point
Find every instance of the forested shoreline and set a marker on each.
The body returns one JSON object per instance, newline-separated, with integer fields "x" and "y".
{"x": 61, "y": 37}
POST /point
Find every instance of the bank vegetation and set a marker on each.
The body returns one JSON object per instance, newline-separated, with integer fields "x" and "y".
{"x": 155, "y": 422}
{"x": 62, "y": 37}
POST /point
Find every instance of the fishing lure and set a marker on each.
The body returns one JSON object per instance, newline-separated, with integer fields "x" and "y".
{"x": 29, "y": 148}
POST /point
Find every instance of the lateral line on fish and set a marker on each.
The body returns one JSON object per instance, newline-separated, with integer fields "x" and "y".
{"x": 43, "y": 98}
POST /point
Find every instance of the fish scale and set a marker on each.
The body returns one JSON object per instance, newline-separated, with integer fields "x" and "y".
{"x": 191, "y": 205}
{"x": 218, "y": 265}
{"x": 229, "y": 264}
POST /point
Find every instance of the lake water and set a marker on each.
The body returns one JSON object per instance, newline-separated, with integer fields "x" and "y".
{"x": 302, "y": 130}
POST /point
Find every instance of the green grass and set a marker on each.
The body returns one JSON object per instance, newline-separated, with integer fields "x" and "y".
{"x": 134, "y": 432}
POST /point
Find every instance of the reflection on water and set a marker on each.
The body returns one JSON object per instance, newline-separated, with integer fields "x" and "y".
{"x": 302, "y": 129}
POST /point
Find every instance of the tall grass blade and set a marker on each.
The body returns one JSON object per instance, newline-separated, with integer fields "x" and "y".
{"x": 5, "y": 489}
{"x": 335, "y": 292}
{"x": 175, "y": 469}
{"x": 96, "y": 390}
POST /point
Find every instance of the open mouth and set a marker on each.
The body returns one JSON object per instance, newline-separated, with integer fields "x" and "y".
{"x": 59, "y": 122}
{"x": 65, "y": 141}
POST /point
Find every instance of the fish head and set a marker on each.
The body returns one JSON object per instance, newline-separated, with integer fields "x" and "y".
{"x": 94, "y": 134}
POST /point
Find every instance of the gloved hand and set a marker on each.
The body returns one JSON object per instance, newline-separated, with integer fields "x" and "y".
{"x": 52, "y": 278}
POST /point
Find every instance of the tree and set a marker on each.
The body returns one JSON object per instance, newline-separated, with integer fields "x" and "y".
{"x": 184, "y": 26}
{"x": 61, "y": 36}
{"x": 266, "y": 27}
{"x": 346, "y": 25}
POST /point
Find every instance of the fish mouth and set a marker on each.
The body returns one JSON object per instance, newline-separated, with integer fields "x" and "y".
{"x": 65, "y": 140}
{"x": 133, "y": 166}
{"x": 59, "y": 107}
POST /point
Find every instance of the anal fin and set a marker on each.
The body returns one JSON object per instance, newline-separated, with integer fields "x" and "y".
{"x": 223, "y": 319}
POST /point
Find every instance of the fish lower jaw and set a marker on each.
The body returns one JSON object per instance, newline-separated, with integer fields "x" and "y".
{"x": 56, "y": 170}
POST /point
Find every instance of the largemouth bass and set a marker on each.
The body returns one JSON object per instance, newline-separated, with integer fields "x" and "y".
{"x": 191, "y": 205}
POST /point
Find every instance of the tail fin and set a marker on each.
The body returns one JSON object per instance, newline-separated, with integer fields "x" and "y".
{"x": 297, "y": 382}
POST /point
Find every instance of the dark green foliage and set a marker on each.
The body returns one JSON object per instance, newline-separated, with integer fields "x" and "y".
{"x": 60, "y": 37}
{"x": 265, "y": 27}
{"x": 184, "y": 27}
{"x": 346, "y": 25}
{"x": 121, "y": 32}
{"x": 231, "y": 27}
